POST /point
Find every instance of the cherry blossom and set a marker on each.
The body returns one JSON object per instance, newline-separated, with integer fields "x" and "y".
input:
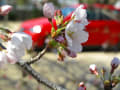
{"x": 74, "y": 32}
{"x": 17, "y": 45}
{"x": 75, "y": 35}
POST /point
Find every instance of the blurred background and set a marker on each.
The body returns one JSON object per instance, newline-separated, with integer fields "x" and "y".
{"x": 102, "y": 46}
{"x": 34, "y": 7}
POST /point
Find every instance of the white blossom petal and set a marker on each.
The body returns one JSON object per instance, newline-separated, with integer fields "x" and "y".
{"x": 75, "y": 35}
{"x": 80, "y": 13}
{"x": 23, "y": 39}
{"x": 12, "y": 59}
{"x": 17, "y": 51}
{"x": 76, "y": 47}
{"x": 3, "y": 59}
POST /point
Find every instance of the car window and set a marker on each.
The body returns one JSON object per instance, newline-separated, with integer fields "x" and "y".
{"x": 96, "y": 14}
{"x": 92, "y": 13}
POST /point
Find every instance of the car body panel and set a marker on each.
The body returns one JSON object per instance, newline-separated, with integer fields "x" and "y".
{"x": 103, "y": 31}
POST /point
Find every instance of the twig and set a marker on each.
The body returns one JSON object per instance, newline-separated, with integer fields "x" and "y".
{"x": 37, "y": 58}
{"x": 37, "y": 76}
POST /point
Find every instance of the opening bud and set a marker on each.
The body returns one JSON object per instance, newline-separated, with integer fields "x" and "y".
{"x": 115, "y": 62}
{"x": 93, "y": 69}
{"x": 82, "y": 86}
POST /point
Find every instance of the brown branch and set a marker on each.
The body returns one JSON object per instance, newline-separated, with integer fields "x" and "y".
{"x": 37, "y": 58}
{"x": 26, "y": 67}
{"x": 37, "y": 76}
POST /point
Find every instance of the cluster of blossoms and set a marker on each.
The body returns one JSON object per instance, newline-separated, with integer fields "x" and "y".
{"x": 67, "y": 35}
{"x": 68, "y": 32}
{"x": 16, "y": 46}
{"x": 112, "y": 80}
{"x": 17, "y": 42}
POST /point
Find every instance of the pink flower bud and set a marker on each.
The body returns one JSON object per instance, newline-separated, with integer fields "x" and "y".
{"x": 93, "y": 69}
{"x": 60, "y": 39}
{"x": 115, "y": 62}
{"x": 82, "y": 86}
{"x": 48, "y": 10}
{"x": 5, "y": 9}
{"x": 58, "y": 13}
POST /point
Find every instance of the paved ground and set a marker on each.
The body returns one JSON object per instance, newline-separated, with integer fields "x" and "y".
{"x": 12, "y": 25}
{"x": 67, "y": 74}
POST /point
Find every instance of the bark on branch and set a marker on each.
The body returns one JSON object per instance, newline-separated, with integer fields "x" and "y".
{"x": 37, "y": 76}
{"x": 37, "y": 58}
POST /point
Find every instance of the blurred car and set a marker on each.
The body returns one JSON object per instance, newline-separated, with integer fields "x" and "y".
{"x": 103, "y": 30}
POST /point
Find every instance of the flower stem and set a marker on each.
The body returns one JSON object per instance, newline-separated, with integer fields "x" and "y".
{"x": 60, "y": 29}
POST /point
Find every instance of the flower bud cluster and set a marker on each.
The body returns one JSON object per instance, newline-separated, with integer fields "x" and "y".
{"x": 110, "y": 81}
{"x": 70, "y": 33}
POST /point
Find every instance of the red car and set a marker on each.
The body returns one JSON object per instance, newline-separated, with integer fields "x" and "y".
{"x": 103, "y": 31}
